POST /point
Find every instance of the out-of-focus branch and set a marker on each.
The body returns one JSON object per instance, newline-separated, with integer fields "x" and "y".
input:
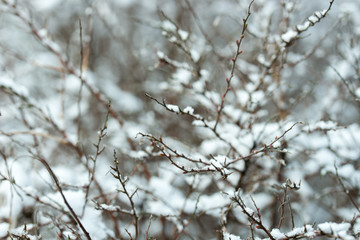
{"x": 58, "y": 186}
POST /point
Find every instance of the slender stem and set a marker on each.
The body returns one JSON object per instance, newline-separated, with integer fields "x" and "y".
{"x": 56, "y": 181}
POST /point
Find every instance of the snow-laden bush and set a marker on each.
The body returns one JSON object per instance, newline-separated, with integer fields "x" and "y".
{"x": 179, "y": 119}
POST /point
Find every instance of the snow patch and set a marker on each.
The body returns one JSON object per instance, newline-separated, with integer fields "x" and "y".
{"x": 45, "y": 5}
{"x": 168, "y": 26}
{"x": 228, "y": 236}
{"x": 337, "y": 229}
{"x": 195, "y": 55}
{"x": 277, "y": 234}
{"x": 182, "y": 75}
{"x": 173, "y": 108}
{"x": 183, "y": 34}
{"x": 4, "y": 227}
{"x": 289, "y": 36}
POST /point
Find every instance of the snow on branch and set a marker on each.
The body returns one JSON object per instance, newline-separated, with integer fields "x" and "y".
{"x": 291, "y": 35}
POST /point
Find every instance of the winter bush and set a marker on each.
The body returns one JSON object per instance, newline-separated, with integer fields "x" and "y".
{"x": 179, "y": 119}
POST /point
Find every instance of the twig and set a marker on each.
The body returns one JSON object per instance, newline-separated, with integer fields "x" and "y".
{"x": 56, "y": 181}
{"x": 347, "y": 85}
{"x": 197, "y": 117}
{"x": 148, "y": 228}
{"x": 81, "y": 84}
{"x": 266, "y": 147}
{"x": 101, "y": 134}
{"x": 251, "y": 215}
{"x": 346, "y": 191}
{"x": 234, "y": 59}
{"x": 117, "y": 175}
{"x": 202, "y": 30}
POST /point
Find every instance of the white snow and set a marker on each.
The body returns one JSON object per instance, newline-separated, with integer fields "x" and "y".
{"x": 313, "y": 19}
{"x": 213, "y": 201}
{"x": 228, "y": 236}
{"x": 357, "y": 93}
{"x": 125, "y": 3}
{"x": 308, "y": 231}
{"x": 45, "y": 5}
{"x": 261, "y": 59}
{"x": 74, "y": 198}
{"x": 213, "y": 146}
{"x": 189, "y": 110}
{"x": 242, "y": 96}
{"x": 4, "y": 227}
{"x": 216, "y": 164}
{"x": 296, "y": 231}
{"x": 168, "y": 26}
{"x": 9, "y": 82}
{"x": 289, "y": 36}
{"x": 257, "y": 96}
{"x": 182, "y": 75}
{"x": 173, "y": 108}
{"x": 22, "y": 230}
{"x": 198, "y": 123}
{"x": 53, "y": 45}
{"x": 123, "y": 70}
{"x": 43, "y": 33}
{"x": 70, "y": 235}
{"x": 318, "y": 14}
{"x": 165, "y": 192}
{"x": 110, "y": 207}
{"x": 138, "y": 154}
{"x": 321, "y": 125}
{"x": 183, "y": 34}
{"x": 172, "y": 39}
{"x": 160, "y": 54}
{"x": 195, "y": 55}
{"x": 277, "y": 234}
{"x": 337, "y": 229}
{"x": 124, "y": 100}
{"x": 304, "y": 26}
{"x": 249, "y": 211}
{"x": 214, "y": 96}
{"x": 198, "y": 86}
{"x": 95, "y": 225}
{"x": 89, "y": 11}
{"x": 216, "y": 21}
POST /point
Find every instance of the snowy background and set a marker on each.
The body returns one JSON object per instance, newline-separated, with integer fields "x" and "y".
{"x": 156, "y": 119}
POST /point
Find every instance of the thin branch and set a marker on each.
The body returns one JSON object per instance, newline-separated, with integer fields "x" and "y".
{"x": 251, "y": 215}
{"x": 56, "y": 181}
{"x": 234, "y": 59}
{"x": 117, "y": 175}
{"x": 347, "y": 85}
{"x": 266, "y": 147}
{"x": 346, "y": 191}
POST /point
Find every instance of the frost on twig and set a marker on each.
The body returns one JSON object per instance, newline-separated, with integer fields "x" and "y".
{"x": 291, "y": 35}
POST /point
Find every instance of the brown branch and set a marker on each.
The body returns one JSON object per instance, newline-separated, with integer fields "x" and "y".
{"x": 346, "y": 191}
{"x": 251, "y": 215}
{"x": 117, "y": 175}
{"x": 234, "y": 59}
{"x": 56, "y": 181}
{"x": 195, "y": 117}
{"x": 266, "y": 147}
